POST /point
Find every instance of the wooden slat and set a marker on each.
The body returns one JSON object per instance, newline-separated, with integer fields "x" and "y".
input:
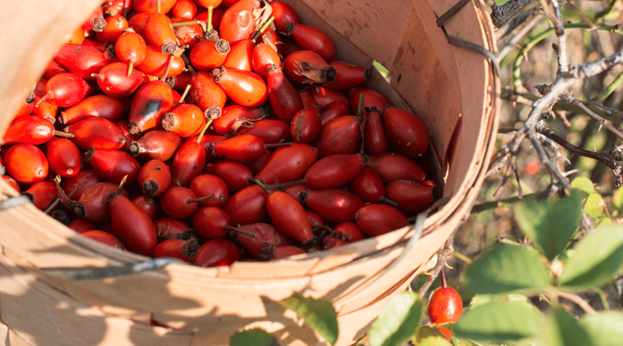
{"x": 375, "y": 26}
{"x": 424, "y": 72}
{"x": 42, "y": 316}
{"x": 31, "y": 33}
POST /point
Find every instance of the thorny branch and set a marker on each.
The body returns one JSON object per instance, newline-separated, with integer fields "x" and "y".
{"x": 441, "y": 262}
{"x": 551, "y": 94}
{"x": 599, "y": 156}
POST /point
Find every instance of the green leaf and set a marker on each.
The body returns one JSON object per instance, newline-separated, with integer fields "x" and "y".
{"x": 398, "y": 320}
{"x": 604, "y": 328}
{"x": 583, "y": 184}
{"x": 317, "y": 313}
{"x": 435, "y": 341}
{"x": 481, "y": 299}
{"x": 550, "y": 224}
{"x": 605, "y": 221}
{"x": 256, "y": 337}
{"x": 499, "y": 322}
{"x": 617, "y": 199}
{"x": 563, "y": 330}
{"x": 427, "y": 332}
{"x": 596, "y": 259}
{"x": 594, "y": 205}
{"x": 506, "y": 269}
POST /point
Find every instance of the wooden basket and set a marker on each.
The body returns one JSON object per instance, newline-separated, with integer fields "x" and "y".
{"x": 453, "y": 90}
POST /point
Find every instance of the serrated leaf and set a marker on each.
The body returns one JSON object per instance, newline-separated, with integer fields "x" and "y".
{"x": 596, "y": 259}
{"x": 499, "y": 322}
{"x": 594, "y": 205}
{"x": 506, "y": 269}
{"x": 604, "y": 328}
{"x": 583, "y": 184}
{"x": 398, "y": 320}
{"x": 563, "y": 330}
{"x": 255, "y": 337}
{"x": 435, "y": 341}
{"x": 427, "y": 332}
{"x": 550, "y": 224}
{"x": 317, "y": 313}
{"x": 617, "y": 199}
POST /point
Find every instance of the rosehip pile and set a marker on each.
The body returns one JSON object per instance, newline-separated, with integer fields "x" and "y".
{"x": 214, "y": 131}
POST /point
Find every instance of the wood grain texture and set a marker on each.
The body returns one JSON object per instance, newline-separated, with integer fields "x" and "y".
{"x": 42, "y": 315}
{"x": 424, "y": 72}
{"x": 32, "y": 31}
{"x": 375, "y": 26}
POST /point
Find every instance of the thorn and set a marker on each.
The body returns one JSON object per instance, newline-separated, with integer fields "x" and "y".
{"x": 600, "y": 126}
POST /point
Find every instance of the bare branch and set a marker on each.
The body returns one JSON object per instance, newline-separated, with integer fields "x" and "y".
{"x": 599, "y": 156}
{"x": 592, "y": 114}
{"x": 577, "y": 300}
{"x": 555, "y": 173}
{"x": 561, "y": 49}
{"x": 519, "y": 36}
{"x": 594, "y": 68}
{"x": 502, "y": 14}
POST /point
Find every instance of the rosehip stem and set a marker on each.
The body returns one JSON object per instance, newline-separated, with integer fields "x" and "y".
{"x": 191, "y": 201}
{"x": 190, "y": 67}
{"x": 63, "y": 134}
{"x": 209, "y": 19}
{"x": 258, "y": 182}
{"x": 258, "y": 34}
{"x": 158, "y": 6}
{"x": 166, "y": 69}
{"x": 388, "y": 201}
{"x": 183, "y": 95}
{"x": 290, "y": 183}
{"x": 52, "y": 206}
{"x": 277, "y": 145}
{"x": 43, "y": 99}
{"x": 131, "y": 66}
{"x": 360, "y": 108}
{"x": 205, "y": 128}
{"x": 192, "y": 22}
{"x": 444, "y": 284}
{"x": 99, "y": 76}
{"x": 239, "y": 231}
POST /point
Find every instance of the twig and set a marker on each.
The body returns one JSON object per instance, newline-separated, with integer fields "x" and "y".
{"x": 599, "y": 156}
{"x": 519, "y": 36}
{"x": 592, "y": 114}
{"x": 507, "y": 174}
{"x": 561, "y": 48}
{"x": 594, "y": 105}
{"x": 441, "y": 262}
{"x": 555, "y": 173}
{"x": 577, "y": 300}
{"x": 507, "y": 202}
